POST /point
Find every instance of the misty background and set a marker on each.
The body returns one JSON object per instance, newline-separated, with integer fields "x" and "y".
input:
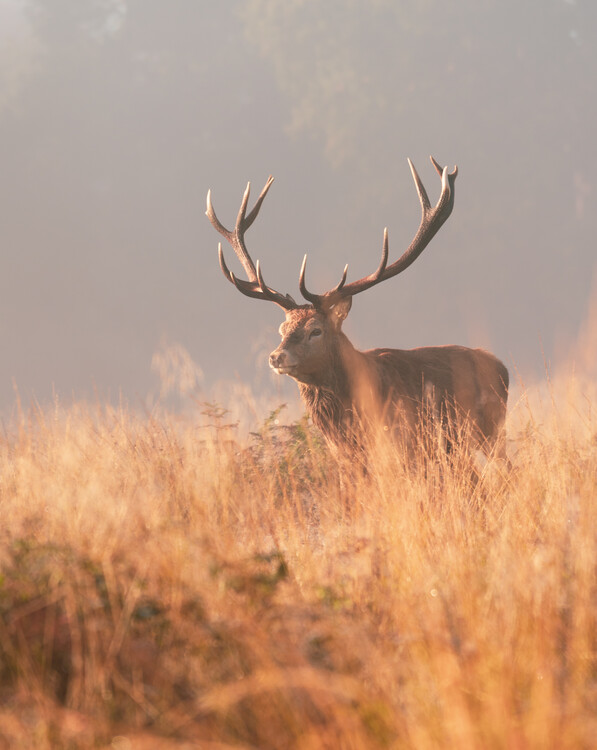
{"x": 116, "y": 116}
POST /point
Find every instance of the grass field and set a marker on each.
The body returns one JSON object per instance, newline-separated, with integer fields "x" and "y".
{"x": 165, "y": 583}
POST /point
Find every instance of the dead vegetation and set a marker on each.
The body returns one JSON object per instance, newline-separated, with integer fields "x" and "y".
{"x": 165, "y": 585}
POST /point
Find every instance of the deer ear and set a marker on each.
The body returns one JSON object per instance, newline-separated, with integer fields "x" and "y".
{"x": 339, "y": 311}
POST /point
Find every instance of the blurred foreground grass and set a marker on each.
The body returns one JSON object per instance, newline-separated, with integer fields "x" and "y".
{"x": 165, "y": 585}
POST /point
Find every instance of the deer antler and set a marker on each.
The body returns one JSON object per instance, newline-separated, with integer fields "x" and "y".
{"x": 255, "y": 287}
{"x": 431, "y": 220}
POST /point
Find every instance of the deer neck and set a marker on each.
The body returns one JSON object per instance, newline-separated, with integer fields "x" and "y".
{"x": 335, "y": 375}
{"x": 336, "y": 398}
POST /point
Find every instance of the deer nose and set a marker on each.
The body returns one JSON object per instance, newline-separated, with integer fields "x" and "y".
{"x": 277, "y": 359}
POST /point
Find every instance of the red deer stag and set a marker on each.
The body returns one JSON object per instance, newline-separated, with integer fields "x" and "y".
{"x": 344, "y": 389}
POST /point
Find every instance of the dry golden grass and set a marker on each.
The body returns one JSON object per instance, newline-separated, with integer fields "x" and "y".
{"x": 164, "y": 586}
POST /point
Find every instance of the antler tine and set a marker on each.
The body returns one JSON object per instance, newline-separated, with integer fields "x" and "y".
{"x": 225, "y": 270}
{"x": 432, "y": 219}
{"x": 439, "y": 169}
{"x": 250, "y": 289}
{"x": 302, "y": 286}
{"x": 385, "y": 250}
{"x": 320, "y": 300}
{"x": 246, "y": 287}
{"x": 240, "y": 219}
{"x": 255, "y": 286}
{"x": 236, "y": 238}
{"x": 342, "y": 280}
{"x": 216, "y": 223}
{"x": 271, "y": 294}
{"x": 256, "y": 208}
{"x": 422, "y": 193}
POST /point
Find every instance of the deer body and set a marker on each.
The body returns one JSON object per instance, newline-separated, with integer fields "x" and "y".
{"x": 348, "y": 392}
{"x": 393, "y": 389}
{"x": 345, "y": 389}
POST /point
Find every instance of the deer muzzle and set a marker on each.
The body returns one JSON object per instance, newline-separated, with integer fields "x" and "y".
{"x": 280, "y": 362}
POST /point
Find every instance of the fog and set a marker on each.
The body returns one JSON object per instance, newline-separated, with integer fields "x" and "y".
{"x": 117, "y": 116}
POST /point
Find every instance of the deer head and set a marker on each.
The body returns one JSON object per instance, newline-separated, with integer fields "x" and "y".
{"x": 311, "y": 334}
{"x": 311, "y": 337}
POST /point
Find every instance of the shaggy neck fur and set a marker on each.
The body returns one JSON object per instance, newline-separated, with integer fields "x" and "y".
{"x": 332, "y": 402}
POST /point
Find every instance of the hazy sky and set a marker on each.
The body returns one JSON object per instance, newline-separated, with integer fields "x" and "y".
{"x": 116, "y": 116}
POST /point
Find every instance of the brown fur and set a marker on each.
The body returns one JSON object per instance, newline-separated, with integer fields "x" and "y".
{"x": 350, "y": 394}
{"x": 347, "y": 391}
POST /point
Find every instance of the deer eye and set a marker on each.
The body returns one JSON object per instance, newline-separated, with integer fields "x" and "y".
{"x": 315, "y": 332}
